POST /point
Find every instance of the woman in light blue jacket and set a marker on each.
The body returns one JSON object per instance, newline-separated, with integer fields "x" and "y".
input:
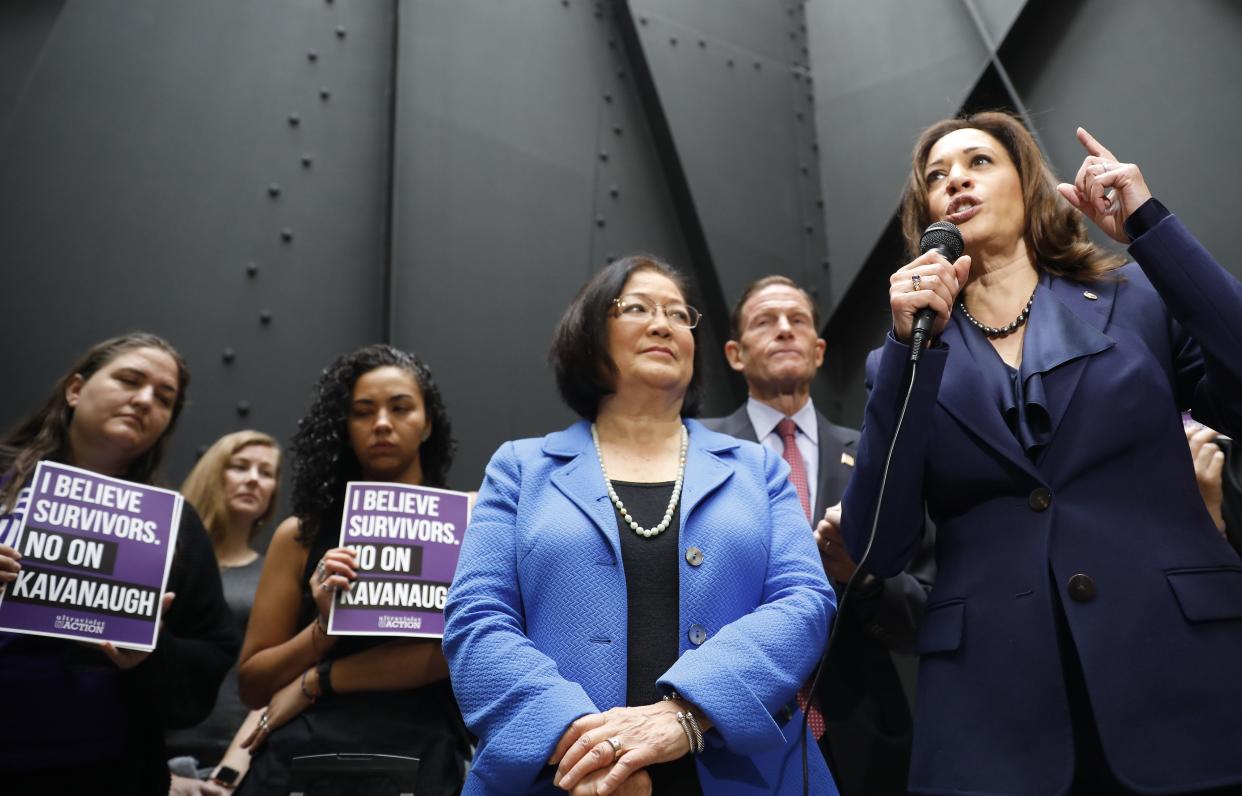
{"x": 638, "y": 598}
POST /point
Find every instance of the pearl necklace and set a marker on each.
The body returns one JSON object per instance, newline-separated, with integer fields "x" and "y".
{"x": 999, "y": 331}
{"x": 672, "y": 503}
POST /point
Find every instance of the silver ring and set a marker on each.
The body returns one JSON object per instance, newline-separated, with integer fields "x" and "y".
{"x": 916, "y": 283}
{"x": 321, "y": 571}
{"x": 616, "y": 748}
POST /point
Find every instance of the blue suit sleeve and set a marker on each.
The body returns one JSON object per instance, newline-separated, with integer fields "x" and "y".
{"x": 900, "y": 526}
{"x": 511, "y": 695}
{"x": 1206, "y": 300}
{"x": 754, "y": 665}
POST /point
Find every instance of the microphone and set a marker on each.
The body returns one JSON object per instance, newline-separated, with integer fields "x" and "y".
{"x": 945, "y": 238}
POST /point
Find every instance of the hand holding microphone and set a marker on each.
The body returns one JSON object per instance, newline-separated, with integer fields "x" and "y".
{"x": 921, "y": 293}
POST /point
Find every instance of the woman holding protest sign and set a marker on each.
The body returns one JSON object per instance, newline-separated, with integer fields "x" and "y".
{"x": 376, "y": 415}
{"x": 234, "y": 487}
{"x": 76, "y": 720}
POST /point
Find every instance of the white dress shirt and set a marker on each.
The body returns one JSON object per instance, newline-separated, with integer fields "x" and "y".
{"x": 764, "y": 420}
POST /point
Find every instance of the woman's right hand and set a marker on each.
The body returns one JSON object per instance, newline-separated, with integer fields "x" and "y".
{"x": 334, "y": 572}
{"x": 937, "y": 285}
{"x": 8, "y": 564}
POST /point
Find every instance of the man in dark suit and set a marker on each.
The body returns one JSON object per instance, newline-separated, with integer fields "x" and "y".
{"x": 866, "y": 718}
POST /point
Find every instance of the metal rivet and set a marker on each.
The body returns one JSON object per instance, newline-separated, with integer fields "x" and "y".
{"x": 814, "y": 147}
{"x": 819, "y": 203}
{"x": 617, "y": 130}
{"x": 642, "y": 20}
{"x": 702, "y": 42}
{"x": 340, "y": 33}
{"x": 265, "y": 317}
{"x": 294, "y": 120}
{"x": 243, "y": 408}
{"x": 228, "y": 355}
{"x": 286, "y": 235}
{"x": 324, "y": 94}
{"x": 607, "y": 97}
{"x": 800, "y": 115}
{"x": 312, "y": 56}
{"x": 802, "y": 167}
{"x": 612, "y": 43}
{"x": 796, "y": 74}
{"x": 793, "y": 34}
{"x": 805, "y": 51}
{"x": 252, "y": 270}
{"x": 599, "y": 221}
{"x": 729, "y": 63}
{"x": 273, "y": 189}
{"x": 307, "y": 160}
{"x": 810, "y": 229}
{"x": 758, "y": 64}
{"x": 824, "y": 264}
{"x": 565, "y": 3}
{"x": 672, "y": 40}
{"x": 603, "y": 156}
{"x": 620, "y": 74}
{"x": 614, "y": 191}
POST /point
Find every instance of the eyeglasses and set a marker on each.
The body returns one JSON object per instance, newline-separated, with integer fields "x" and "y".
{"x": 641, "y": 309}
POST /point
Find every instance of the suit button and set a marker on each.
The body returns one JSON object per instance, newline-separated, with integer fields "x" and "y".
{"x": 697, "y": 634}
{"x": 1081, "y": 588}
{"x": 1040, "y": 499}
{"x": 694, "y": 556}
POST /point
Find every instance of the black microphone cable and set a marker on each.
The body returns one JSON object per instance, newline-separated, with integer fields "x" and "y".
{"x": 845, "y": 593}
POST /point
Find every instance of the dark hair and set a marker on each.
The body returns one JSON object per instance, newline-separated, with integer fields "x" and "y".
{"x": 1055, "y": 232}
{"x": 735, "y": 317}
{"x": 323, "y": 459}
{"x": 45, "y": 434}
{"x": 579, "y": 354}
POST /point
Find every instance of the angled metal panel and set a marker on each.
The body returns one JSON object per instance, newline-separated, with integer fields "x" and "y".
{"x": 727, "y": 93}
{"x": 148, "y": 172}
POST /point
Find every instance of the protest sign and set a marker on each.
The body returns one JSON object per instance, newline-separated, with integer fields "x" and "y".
{"x": 95, "y": 553}
{"x": 407, "y": 539}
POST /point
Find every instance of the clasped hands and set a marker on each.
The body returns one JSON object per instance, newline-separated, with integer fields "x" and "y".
{"x": 588, "y": 762}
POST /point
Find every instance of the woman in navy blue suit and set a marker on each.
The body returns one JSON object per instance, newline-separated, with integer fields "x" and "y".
{"x": 638, "y": 598}
{"x": 1085, "y": 628}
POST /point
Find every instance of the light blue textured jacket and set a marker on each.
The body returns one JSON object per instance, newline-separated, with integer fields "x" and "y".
{"x": 536, "y": 631}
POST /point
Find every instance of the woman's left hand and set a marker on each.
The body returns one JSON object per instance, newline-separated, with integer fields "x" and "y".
{"x": 126, "y": 659}
{"x": 1105, "y": 190}
{"x": 286, "y": 704}
{"x": 647, "y": 734}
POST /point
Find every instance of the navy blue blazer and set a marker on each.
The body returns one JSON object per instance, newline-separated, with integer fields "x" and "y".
{"x": 536, "y": 628}
{"x": 1108, "y": 514}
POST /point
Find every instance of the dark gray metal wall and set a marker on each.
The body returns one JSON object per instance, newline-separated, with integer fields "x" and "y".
{"x": 287, "y": 180}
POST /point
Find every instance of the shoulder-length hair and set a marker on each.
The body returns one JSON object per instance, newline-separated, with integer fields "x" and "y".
{"x": 45, "y": 434}
{"x": 322, "y": 458}
{"x": 579, "y": 357}
{"x": 1055, "y": 232}
{"x": 204, "y": 486}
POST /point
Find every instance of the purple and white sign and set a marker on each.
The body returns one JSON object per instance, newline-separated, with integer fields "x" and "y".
{"x": 95, "y": 557}
{"x": 407, "y": 539}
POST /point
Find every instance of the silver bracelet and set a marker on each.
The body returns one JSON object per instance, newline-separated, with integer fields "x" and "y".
{"x": 694, "y": 733}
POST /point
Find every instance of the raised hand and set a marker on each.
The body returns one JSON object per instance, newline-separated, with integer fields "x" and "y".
{"x": 1105, "y": 190}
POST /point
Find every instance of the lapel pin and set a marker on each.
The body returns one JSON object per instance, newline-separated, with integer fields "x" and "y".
{"x": 847, "y": 460}
{"x": 1089, "y": 295}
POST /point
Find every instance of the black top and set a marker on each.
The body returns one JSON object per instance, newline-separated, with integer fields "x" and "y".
{"x": 415, "y": 722}
{"x": 653, "y": 607}
{"x": 86, "y": 725}
{"x": 208, "y": 742}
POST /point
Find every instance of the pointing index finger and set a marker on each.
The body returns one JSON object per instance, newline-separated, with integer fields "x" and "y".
{"x": 1093, "y": 146}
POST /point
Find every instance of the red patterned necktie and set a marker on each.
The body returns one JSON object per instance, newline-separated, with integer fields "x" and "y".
{"x": 797, "y": 474}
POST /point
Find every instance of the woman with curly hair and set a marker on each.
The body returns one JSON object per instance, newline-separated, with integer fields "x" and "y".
{"x": 81, "y": 718}
{"x": 376, "y": 415}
